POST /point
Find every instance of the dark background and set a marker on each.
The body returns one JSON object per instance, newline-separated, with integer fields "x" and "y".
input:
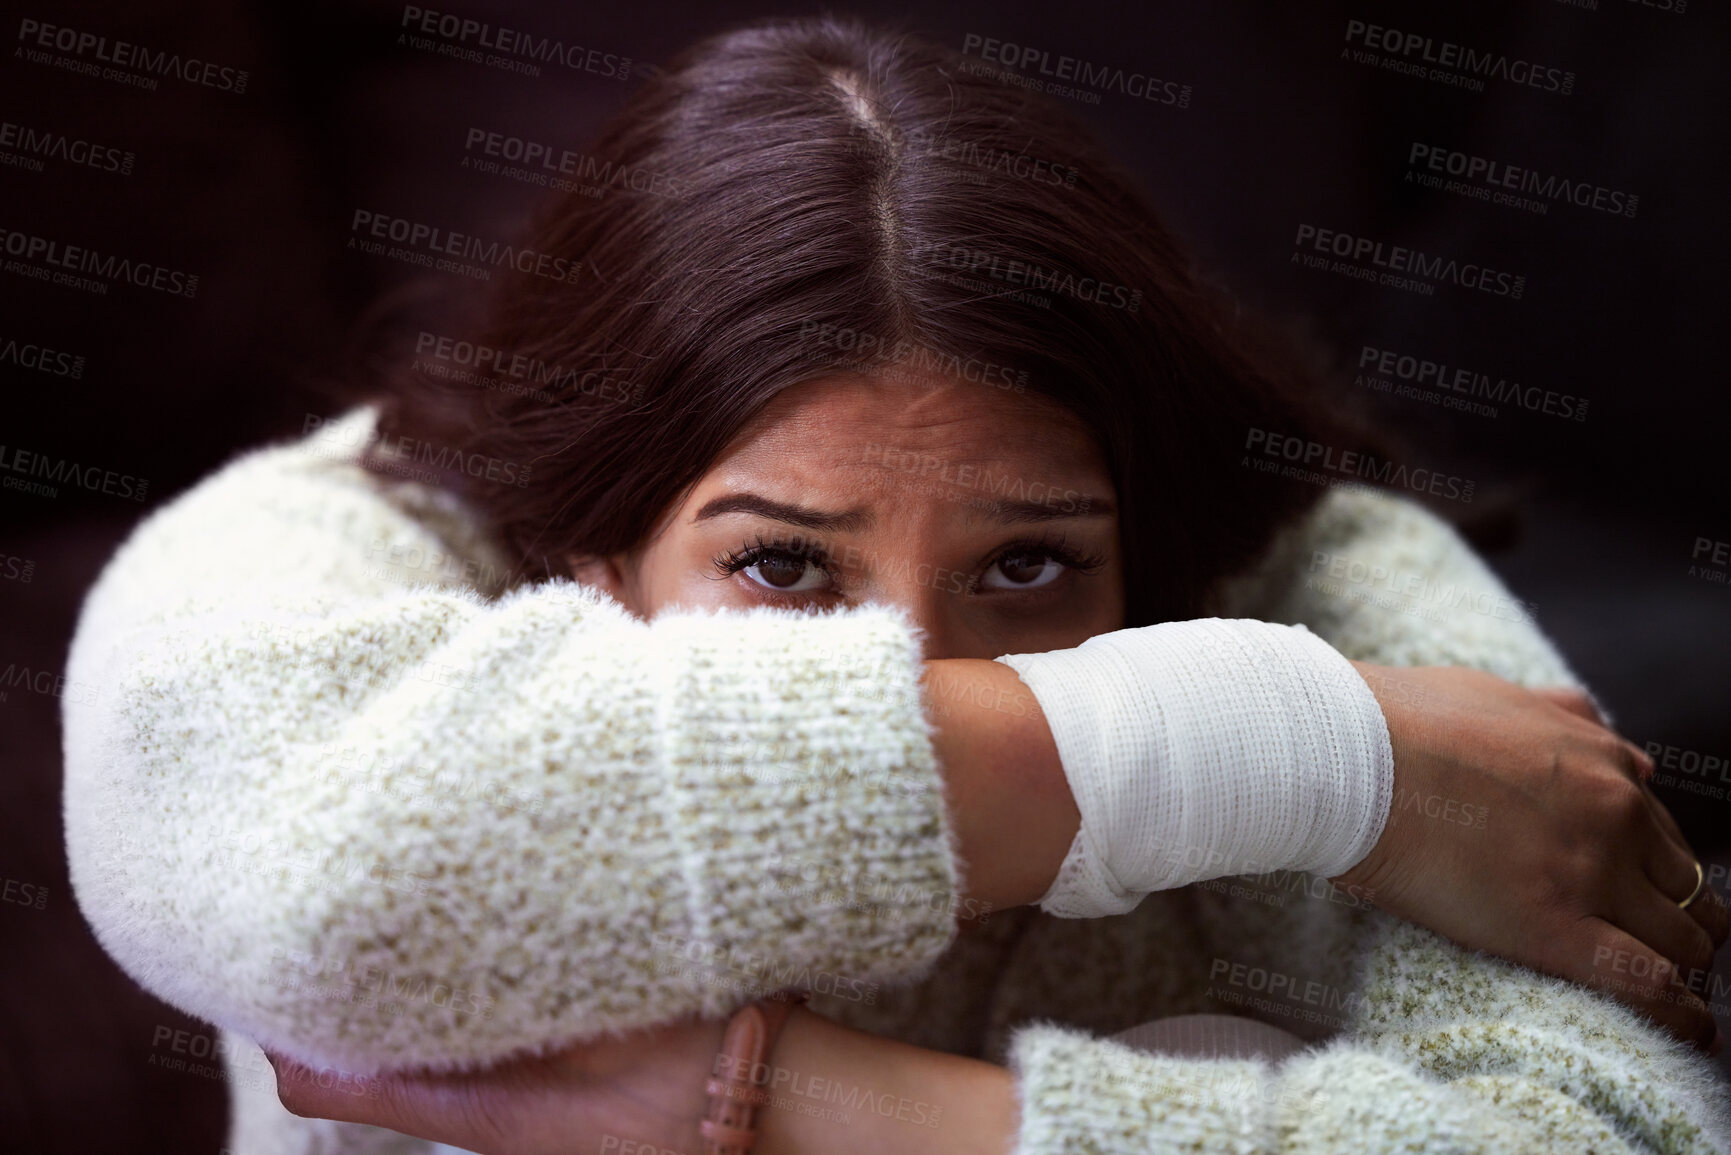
{"x": 1593, "y": 522}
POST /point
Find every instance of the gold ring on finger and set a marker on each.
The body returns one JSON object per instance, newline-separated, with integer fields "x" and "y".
{"x": 1700, "y": 885}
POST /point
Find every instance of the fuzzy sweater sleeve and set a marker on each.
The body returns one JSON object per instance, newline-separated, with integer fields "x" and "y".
{"x": 1382, "y": 579}
{"x": 321, "y": 791}
{"x": 1440, "y": 1049}
{"x": 1444, "y": 1052}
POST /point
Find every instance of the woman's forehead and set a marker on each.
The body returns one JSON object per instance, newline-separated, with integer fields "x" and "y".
{"x": 849, "y": 444}
{"x": 846, "y": 419}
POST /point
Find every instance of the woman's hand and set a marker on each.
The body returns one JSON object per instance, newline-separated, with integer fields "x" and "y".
{"x": 1521, "y": 827}
{"x": 642, "y": 1093}
{"x": 833, "y": 1090}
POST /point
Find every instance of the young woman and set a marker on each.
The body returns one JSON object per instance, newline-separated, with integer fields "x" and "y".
{"x": 838, "y": 530}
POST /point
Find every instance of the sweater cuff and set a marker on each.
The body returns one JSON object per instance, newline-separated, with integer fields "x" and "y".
{"x": 1079, "y": 1093}
{"x": 820, "y": 855}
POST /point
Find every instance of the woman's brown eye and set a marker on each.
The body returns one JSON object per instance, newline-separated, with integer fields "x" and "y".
{"x": 784, "y": 572}
{"x": 1024, "y": 571}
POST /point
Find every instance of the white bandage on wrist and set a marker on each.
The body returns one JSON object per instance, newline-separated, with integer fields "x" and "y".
{"x": 1208, "y": 748}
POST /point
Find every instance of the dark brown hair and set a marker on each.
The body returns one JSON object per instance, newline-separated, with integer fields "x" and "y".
{"x": 790, "y": 182}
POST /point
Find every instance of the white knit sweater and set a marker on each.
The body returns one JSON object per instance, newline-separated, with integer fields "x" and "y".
{"x": 330, "y": 788}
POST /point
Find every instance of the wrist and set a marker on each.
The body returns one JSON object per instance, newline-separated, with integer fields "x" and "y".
{"x": 1205, "y": 748}
{"x": 836, "y": 1091}
{"x": 1009, "y": 802}
{"x": 1371, "y": 872}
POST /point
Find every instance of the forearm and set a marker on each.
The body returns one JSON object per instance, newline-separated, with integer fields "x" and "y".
{"x": 835, "y": 1091}
{"x": 1009, "y": 803}
{"x": 263, "y": 714}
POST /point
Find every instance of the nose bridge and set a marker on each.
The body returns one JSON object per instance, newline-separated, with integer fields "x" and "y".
{"x": 932, "y": 599}
{"x": 911, "y": 568}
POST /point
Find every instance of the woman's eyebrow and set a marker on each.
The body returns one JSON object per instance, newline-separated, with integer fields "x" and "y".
{"x": 851, "y": 521}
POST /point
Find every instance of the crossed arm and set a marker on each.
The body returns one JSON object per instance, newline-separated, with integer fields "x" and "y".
{"x": 643, "y": 1094}
{"x": 230, "y": 706}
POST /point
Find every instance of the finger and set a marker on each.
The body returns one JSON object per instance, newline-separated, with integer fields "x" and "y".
{"x": 1707, "y": 909}
{"x": 1662, "y": 814}
{"x": 1643, "y": 761}
{"x": 1572, "y": 700}
{"x": 1618, "y": 965}
{"x": 1646, "y": 910}
{"x": 325, "y": 1092}
{"x": 436, "y": 1108}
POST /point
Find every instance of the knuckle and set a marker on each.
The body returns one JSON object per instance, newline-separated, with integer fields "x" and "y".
{"x": 1619, "y": 800}
{"x": 1614, "y": 751}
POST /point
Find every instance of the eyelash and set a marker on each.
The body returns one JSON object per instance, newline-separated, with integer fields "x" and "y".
{"x": 1054, "y": 547}
{"x": 732, "y": 562}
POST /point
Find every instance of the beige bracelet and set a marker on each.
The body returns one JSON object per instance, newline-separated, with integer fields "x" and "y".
{"x": 734, "y": 1097}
